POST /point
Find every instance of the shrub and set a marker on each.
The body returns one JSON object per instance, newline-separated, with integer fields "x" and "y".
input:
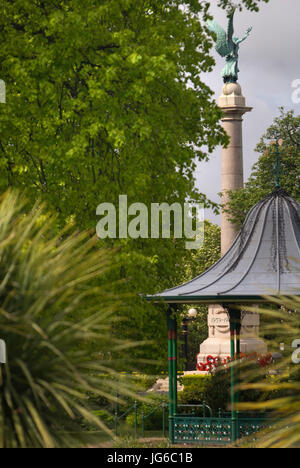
{"x": 213, "y": 389}
{"x": 195, "y": 379}
{"x": 55, "y": 319}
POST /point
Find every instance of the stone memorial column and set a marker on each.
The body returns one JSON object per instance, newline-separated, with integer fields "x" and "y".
{"x": 233, "y": 105}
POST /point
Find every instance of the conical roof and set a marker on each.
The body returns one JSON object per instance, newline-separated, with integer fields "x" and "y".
{"x": 263, "y": 260}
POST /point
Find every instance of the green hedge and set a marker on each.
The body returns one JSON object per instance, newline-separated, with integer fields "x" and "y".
{"x": 211, "y": 388}
{"x": 195, "y": 379}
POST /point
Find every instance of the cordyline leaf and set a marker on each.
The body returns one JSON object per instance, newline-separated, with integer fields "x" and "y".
{"x": 59, "y": 396}
{"x": 56, "y": 317}
{"x": 41, "y": 427}
{"x": 17, "y": 422}
{"x": 93, "y": 419}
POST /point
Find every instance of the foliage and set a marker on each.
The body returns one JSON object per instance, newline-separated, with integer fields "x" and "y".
{"x": 283, "y": 323}
{"x": 106, "y": 99}
{"x": 213, "y": 389}
{"x": 189, "y": 380}
{"x": 130, "y": 442}
{"x": 56, "y": 324}
{"x": 194, "y": 391}
{"x": 139, "y": 384}
{"x": 107, "y": 85}
{"x": 202, "y": 259}
{"x": 262, "y": 180}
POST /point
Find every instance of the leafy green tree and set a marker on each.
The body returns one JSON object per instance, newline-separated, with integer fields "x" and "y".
{"x": 106, "y": 98}
{"x": 57, "y": 328}
{"x": 262, "y": 181}
{"x": 200, "y": 260}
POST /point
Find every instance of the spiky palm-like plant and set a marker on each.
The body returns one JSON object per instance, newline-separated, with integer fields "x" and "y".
{"x": 55, "y": 316}
{"x": 283, "y": 379}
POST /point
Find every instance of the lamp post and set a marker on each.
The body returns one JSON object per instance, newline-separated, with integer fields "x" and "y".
{"x": 192, "y": 314}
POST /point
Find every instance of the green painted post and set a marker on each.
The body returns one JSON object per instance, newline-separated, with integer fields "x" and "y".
{"x": 143, "y": 424}
{"x": 135, "y": 419}
{"x": 238, "y": 327}
{"x": 174, "y": 363}
{"x": 171, "y": 379}
{"x": 232, "y": 374}
{"x": 2, "y": 406}
{"x": 164, "y": 418}
{"x": 116, "y": 415}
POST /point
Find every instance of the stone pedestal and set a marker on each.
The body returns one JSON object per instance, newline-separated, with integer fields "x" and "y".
{"x": 233, "y": 105}
{"x": 218, "y": 341}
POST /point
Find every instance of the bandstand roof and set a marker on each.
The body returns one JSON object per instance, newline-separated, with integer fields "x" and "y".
{"x": 263, "y": 260}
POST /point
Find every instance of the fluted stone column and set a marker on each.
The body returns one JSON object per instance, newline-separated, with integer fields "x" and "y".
{"x": 233, "y": 105}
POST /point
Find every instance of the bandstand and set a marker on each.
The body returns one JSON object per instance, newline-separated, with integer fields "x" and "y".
{"x": 263, "y": 262}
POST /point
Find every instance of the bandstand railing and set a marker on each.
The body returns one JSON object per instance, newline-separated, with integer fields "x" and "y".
{"x": 217, "y": 430}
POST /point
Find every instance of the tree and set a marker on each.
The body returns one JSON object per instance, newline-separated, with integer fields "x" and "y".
{"x": 99, "y": 102}
{"x": 262, "y": 181}
{"x": 106, "y": 98}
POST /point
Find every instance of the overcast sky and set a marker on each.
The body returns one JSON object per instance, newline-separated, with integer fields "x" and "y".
{"x": 269, "y": 63}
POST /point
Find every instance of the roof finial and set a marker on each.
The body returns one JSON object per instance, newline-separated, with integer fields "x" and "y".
{"x": 277, "y": 165}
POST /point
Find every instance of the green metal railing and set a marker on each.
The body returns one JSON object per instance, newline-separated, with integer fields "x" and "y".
{"x": 216, "y": 430}
{"x": 194, "y": 429}
{"x": 164, "y": 406}
{"x": 143, "y": 417}
{"x": 203, "y": 405}
{"x": 133, "y": 408}
{"x": 189, "y": 427}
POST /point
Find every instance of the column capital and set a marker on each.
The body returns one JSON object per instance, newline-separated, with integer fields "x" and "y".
{"x": 234, "y": 113}
{"x": 232, "y": 102}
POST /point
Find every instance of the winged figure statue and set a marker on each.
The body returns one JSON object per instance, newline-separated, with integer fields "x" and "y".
{"x": 228, "y": 46}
